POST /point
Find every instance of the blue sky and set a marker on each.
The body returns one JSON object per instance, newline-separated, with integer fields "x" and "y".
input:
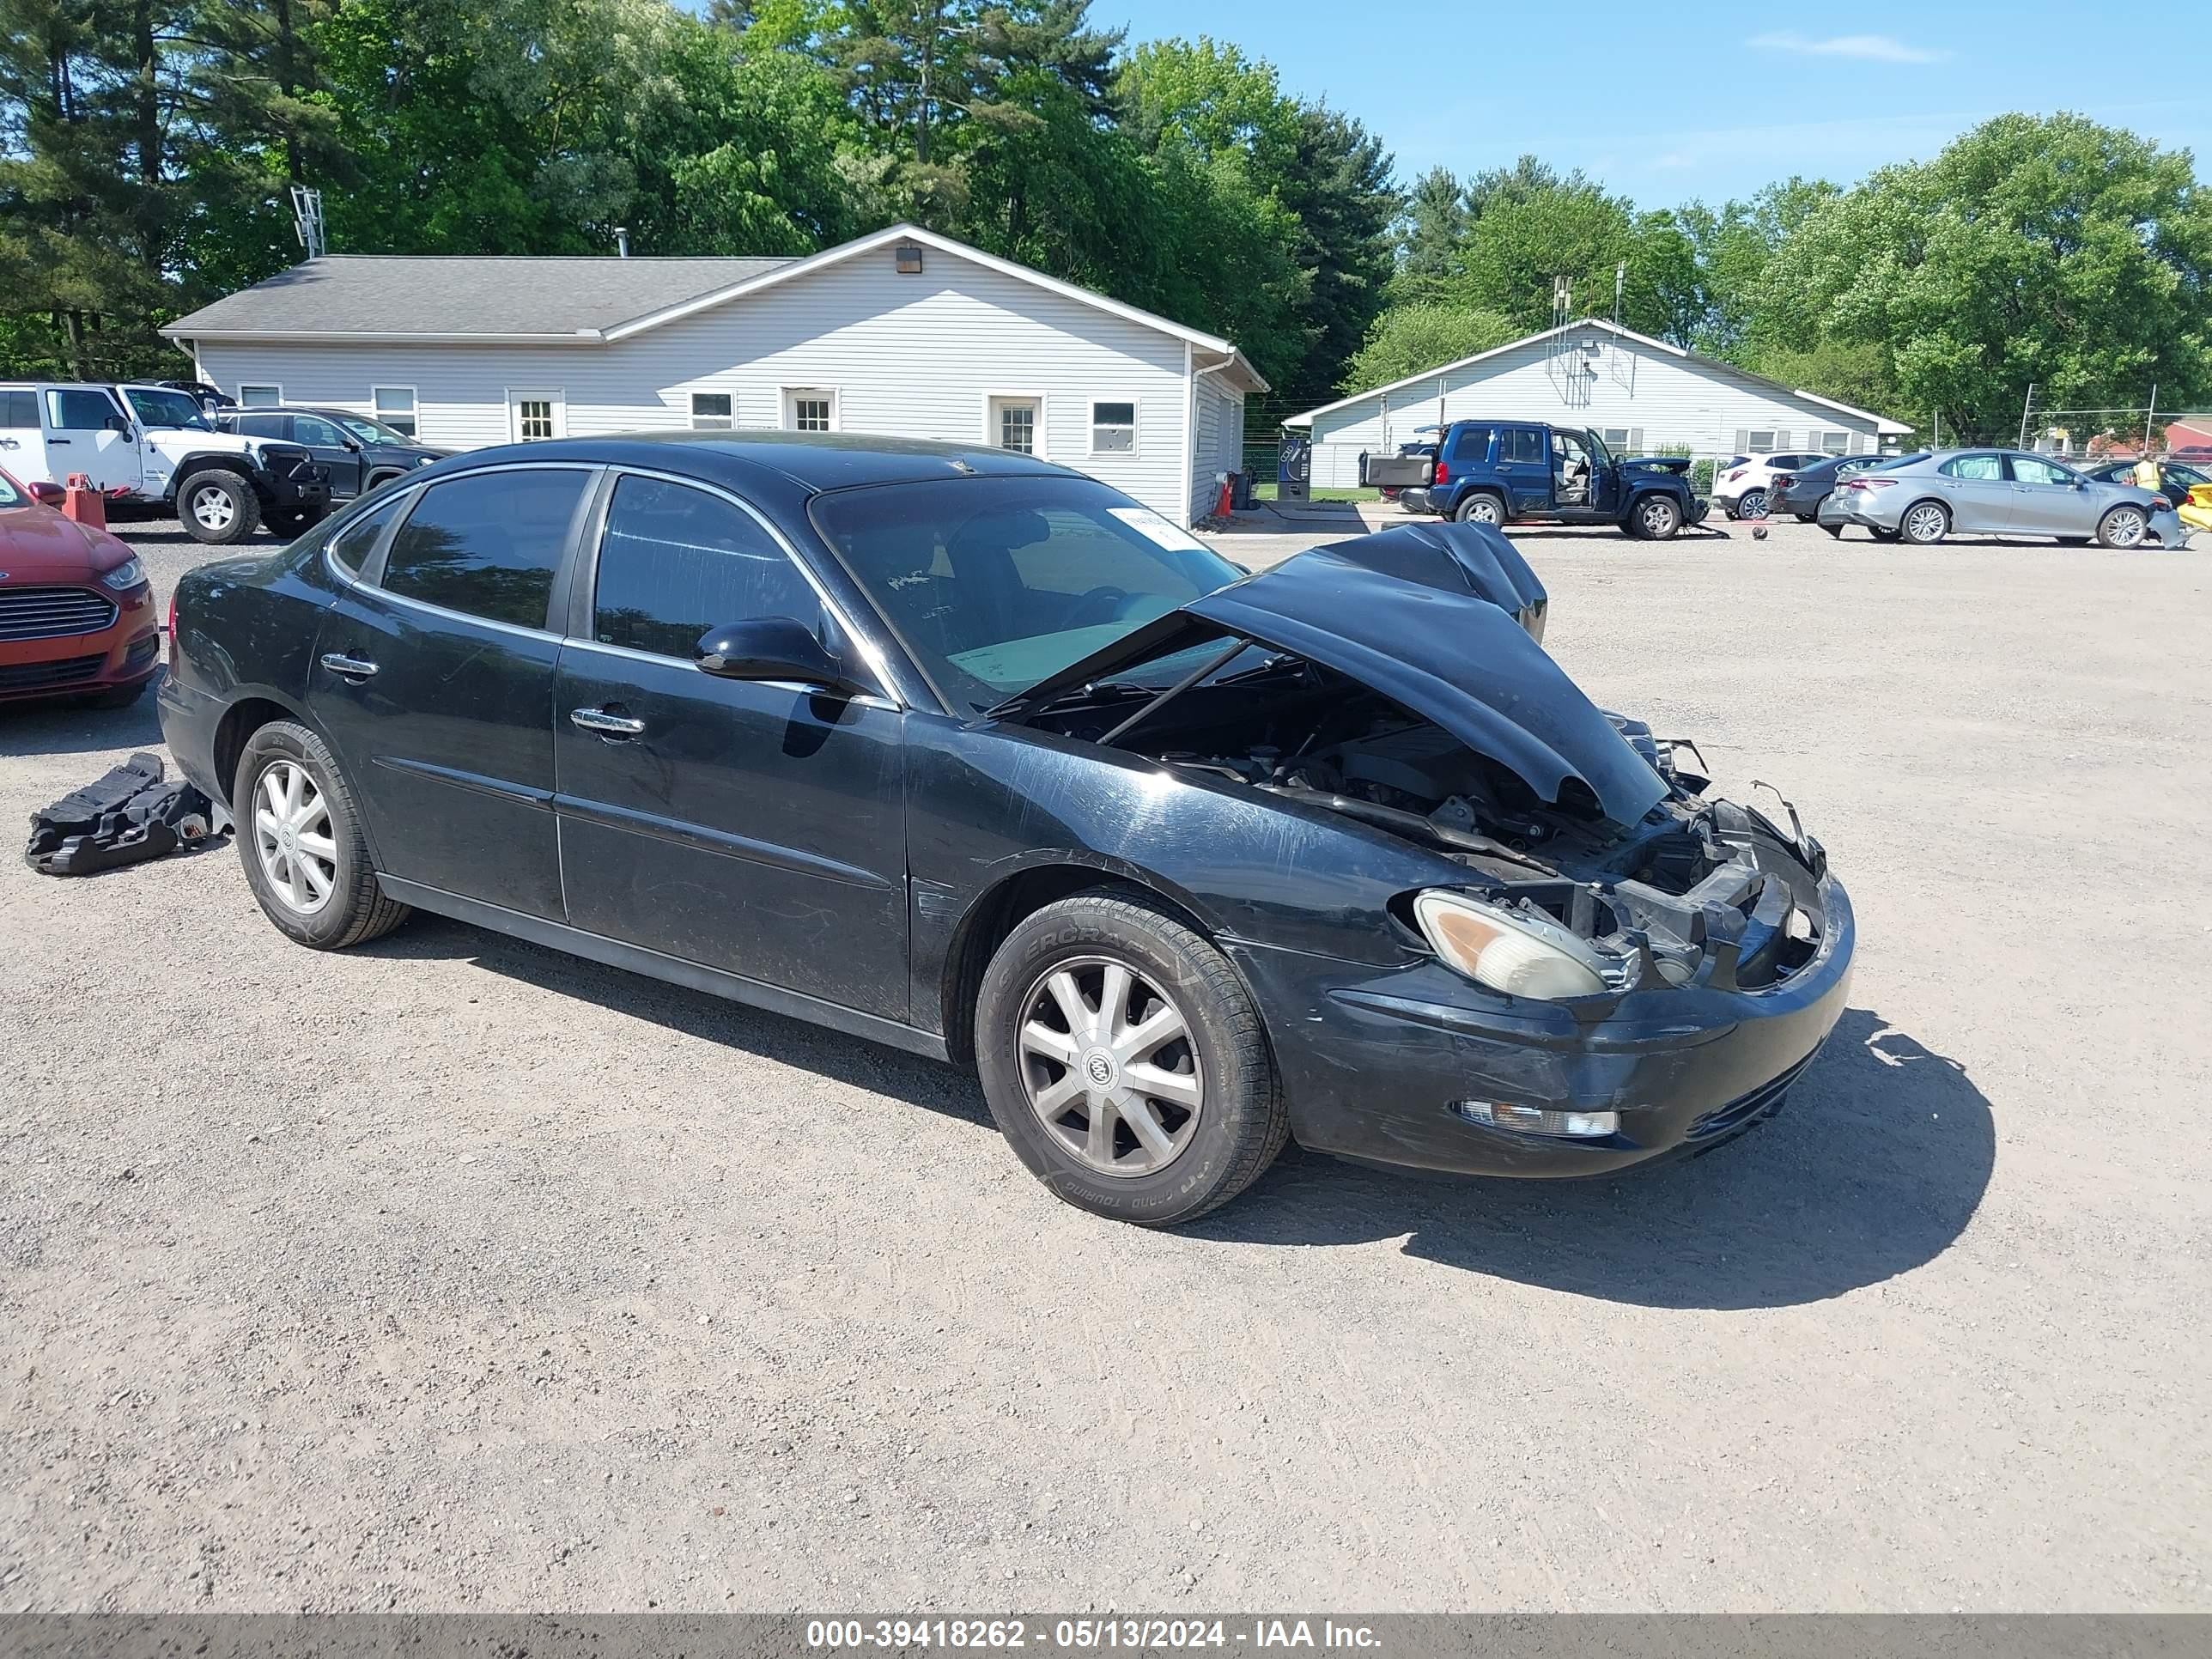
{"x": 1667, "y": 102}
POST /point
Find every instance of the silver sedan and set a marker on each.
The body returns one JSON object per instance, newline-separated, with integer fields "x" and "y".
{"x": 2004, "y": 492}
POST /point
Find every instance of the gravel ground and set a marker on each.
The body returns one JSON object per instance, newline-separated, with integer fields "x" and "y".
{"x": 451, "y": 1273}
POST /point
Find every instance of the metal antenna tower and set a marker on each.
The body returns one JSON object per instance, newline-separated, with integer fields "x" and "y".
{"x": 307, "y": 219}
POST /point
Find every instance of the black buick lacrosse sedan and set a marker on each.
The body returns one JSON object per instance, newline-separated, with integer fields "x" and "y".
{"x": 957, "y": 751}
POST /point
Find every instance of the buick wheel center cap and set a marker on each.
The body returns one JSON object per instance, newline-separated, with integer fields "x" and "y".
{"x": 1099, "y": 1068}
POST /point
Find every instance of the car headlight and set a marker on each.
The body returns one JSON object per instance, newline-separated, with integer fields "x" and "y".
{"x": 126, "y": 576}
{"x": 1508, "y": 950}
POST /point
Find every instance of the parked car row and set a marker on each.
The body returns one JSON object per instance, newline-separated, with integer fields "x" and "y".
{"x": 224, "y": 474}
{"x": 1924, "y": 497}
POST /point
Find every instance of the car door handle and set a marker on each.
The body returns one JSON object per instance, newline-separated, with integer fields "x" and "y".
{"x": 351, "y": 668}
{"x": 604, "y": 723}
{"x": 58, "y": 440}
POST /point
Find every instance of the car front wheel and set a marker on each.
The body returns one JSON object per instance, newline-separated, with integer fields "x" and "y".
{"x": 298, "y": 832}
{"x": 1123, "y": 1059}
{"x": 2123, "y": 526}
{"x": 218, "y": 507}
{"x": 1656, "y": 518}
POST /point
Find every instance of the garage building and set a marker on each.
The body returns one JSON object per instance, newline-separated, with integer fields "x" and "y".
{"x": 1640, "y": 395}
{"x": 902, "y": 332}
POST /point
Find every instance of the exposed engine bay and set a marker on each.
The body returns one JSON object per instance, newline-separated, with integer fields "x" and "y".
{"x": 1700, "y": 891}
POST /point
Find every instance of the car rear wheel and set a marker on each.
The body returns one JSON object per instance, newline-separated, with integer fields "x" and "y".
{"x": 219, "y": 507}
{"x": 1656, "y": 518}
{"x": 2123, "y": 526}
{"x": 1481, "y": 507}
{"x": 298, "y": 832}
{"x": 1925, "y": 523}
{"x": 1124, "y": 1061}
{"x": 1751, "y": 504}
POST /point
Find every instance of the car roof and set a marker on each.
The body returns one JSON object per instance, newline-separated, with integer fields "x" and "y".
{"x": 815, "y": 461}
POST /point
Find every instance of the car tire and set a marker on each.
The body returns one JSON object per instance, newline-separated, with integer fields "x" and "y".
{"x": 1047, "y": 1066}
{"x": 1925, "y": 523}
{"x": 317, "y": 884}
{"x": 1654, "y": 518}
{"x": 1481, "y": 507}
{"x": 1751, "y": 504}
{"x": 2126, "y": 527}
{"x": 218, "y": 507}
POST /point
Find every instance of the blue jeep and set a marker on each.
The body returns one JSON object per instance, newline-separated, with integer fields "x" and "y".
{"x": 1500, "y": 471}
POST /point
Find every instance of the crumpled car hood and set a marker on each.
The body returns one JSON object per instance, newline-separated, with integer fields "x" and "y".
{"x": 1471, "y": 558}
{"x": 1457, "y": 659}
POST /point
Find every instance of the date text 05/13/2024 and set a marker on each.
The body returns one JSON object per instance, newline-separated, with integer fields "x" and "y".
{"x": 1112, "y": 1634}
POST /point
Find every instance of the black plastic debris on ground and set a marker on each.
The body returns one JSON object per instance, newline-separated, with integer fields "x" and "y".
{"x": 127, "y": 816}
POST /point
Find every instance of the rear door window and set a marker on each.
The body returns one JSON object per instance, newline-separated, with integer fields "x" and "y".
{"x": 488, "y": 544}
{"x": 263, "y": 426}
{"x": 1523, "y": 443}
{"x": 19, "y": 410}
{"x": 676, "y": 561}
{"x": 1984, "y": 467}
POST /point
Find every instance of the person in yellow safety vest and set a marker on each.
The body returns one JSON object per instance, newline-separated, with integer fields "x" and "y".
{"x": 2148, "y": 475}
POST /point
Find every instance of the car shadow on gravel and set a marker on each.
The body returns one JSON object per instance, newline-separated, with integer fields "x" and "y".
{"x": 69, "y": 728}
{"x": 1874, "y": 1164}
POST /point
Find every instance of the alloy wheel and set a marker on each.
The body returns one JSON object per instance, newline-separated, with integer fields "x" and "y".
{"x": 1657, "y": 517}
{"x": 2124, "y": 527}
{"x": 1109, "y": 1066}
{"x": 1752, "y": 505}
{"x": 292, "y": 835}
{"x": 1483, "y": 509}
{"x": 213, "y": 508}
{"x": 1925, "y": 523}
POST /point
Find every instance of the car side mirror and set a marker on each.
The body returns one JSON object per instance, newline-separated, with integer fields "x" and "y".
{"x": 46, "y": 493}
{"x": 351, "y": 444}
{"x": 772, "y": 648}
{"x": 117, "y": 424}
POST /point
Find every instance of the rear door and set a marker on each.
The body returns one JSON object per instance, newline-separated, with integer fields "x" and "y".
{"x": 1524, "y": 466}
{"x": 331, "y": 447}
{"x": 434, "y": 680}
{"x": 87, "y": 432}
{"x": 754, "y": 827}
{"x": 1977, "y": 489}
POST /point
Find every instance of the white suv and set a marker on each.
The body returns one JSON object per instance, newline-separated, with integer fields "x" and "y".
{"x": 1740, "y": 488}
{"x": 154, "y": 444}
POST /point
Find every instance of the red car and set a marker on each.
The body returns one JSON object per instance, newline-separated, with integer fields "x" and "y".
{"x": 76, "y": 614}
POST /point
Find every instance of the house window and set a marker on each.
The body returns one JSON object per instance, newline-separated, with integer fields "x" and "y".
{"x": 1616, "y": 437}
{"x": 1759, "y": 443}
{"x": 711, "y": 411}
{"x": 534, "y": 415}
{"x": 1015, "y": 423}
{"x": 394, "y": 406}
{"x": 810, "y": 409}
{"x": 1113, "y": 429}
{"x": 1835, "y": 443}
{"x": 260, "y": 397}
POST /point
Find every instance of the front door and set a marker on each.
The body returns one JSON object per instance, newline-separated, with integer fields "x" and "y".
{"x": 757, "y": 828}
{"x": 2049, "y": 500}
{"x": 87, "y": 432}
{"x": 1581, "y": 484}
{"x": 331, "y": 447}
{"x": 433, "y": 678}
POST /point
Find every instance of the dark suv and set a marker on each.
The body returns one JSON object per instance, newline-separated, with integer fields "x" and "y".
{"x": 359, "y": 452}
{"x": 1498, "y": 472}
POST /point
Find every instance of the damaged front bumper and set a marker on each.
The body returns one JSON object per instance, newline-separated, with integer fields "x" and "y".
{"x": 1377, "y": 1064}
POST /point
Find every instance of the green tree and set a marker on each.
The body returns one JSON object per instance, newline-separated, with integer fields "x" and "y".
{"x": 1408, "y": 338}
{"x": 1522, "y": 241}
{"x": 2045, "y": 250}
{"x": 1430, "y": 229}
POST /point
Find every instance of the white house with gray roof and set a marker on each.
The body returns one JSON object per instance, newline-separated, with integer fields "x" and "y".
{"x": 1638, "y": 394}
{"x": 904, "y": 332}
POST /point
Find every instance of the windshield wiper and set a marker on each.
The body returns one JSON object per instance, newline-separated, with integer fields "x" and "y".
{"x": 1019, "y": 702}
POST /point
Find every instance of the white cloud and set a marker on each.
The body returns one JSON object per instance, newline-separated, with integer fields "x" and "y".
{"x": 1874, "y": 48}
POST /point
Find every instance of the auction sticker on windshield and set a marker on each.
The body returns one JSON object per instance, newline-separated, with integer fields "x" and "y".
{"x": 1150, "y": 525}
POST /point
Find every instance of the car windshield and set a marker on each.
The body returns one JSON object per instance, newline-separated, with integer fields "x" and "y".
{"x": 10, "y": 495}
{"x": 994, "y": 584}
{"x": 179, "y": 408}
{"x": 368, "y": 431}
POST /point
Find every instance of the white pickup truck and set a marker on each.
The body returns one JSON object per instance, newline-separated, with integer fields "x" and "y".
{"x": 155, "y": 445}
